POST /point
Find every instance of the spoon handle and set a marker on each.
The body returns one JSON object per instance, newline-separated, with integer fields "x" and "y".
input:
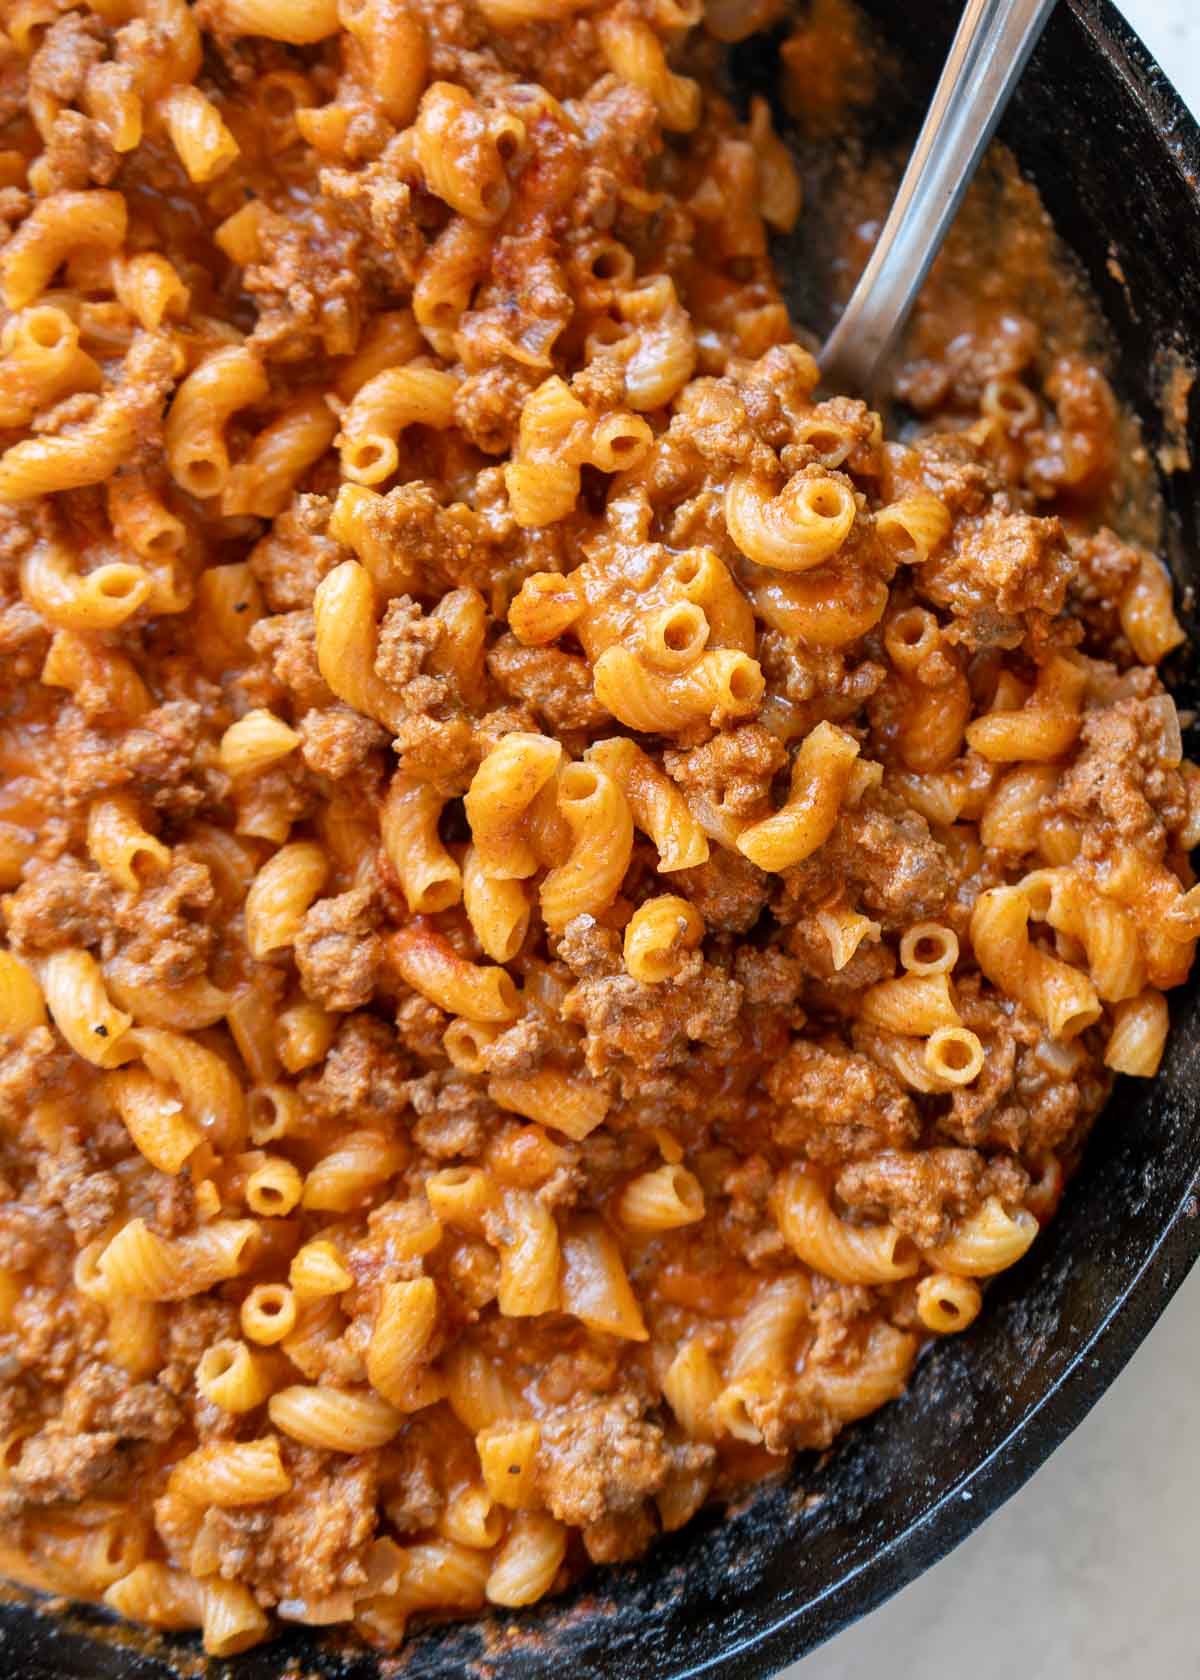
{"x": 990, "y": 50}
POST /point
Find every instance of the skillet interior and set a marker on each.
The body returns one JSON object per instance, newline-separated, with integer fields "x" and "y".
{"x": 1117, "y": 162}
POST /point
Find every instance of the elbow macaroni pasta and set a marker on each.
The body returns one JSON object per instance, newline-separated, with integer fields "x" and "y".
{"x": 835, "y": 1249}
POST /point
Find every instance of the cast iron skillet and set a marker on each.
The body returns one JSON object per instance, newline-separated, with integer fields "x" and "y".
{"x": 1117, "y": 161}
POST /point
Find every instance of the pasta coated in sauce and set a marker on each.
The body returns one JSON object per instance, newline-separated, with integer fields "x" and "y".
{"x": 565, "y": 899}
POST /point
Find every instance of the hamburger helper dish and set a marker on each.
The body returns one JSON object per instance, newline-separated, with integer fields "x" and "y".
{"x": 566, "y": 900}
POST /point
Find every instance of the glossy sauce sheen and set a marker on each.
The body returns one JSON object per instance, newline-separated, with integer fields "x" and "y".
{"x": 567, "y": 901}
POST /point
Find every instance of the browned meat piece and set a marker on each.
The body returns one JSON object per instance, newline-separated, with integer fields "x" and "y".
{"x": 288, "y": 645}
{"x": 622, "y": 1535}
{"x": 67, "y": 51}
{"x": 406, "y": 637}
{"x": 729, "y": 891}
{"x": 23, "y": 1230}
{"x": 994, "y": 570}
{"x": 24, "y": 640}
{"x": 165, "y": 942}
{"x": 519, "y": 313}
{"x": 102, "y": 1397}
{"x": 364, "y": 1077}
{"x": 336, "y": 742}
{"x": 164, "y": 753}
{"x": 295, "y": 555}
{"x": 472, "y": 1275}
{"x": 30, "y": 1071}
{"x": 69, "y": 1179}
{"x": 407, "y": 521}
{"x": 1123, "y": 779}
{"x": 769, "y": 978}
{"x": 309, "y": 1543}
{"x": 557, "y": 685}
{"x": 433, "y": 740}
{"x": 61, "y": 903}
{"x": 523, "y": 1047}
{"x": 626, "y": 1534}
{"x": 420, "y": 1027}
{"x": 823, "y": 681}
{"x": 57, "y": 1329}
{"x": 308, "y": 288}
{"x": 922, "y": 1192}
{"x": 78, "y": 154}
{"x": 488, "y": 404}
{"x": 882, "y": 857}
{"x": 439, "y": 750}
{"x": 598, "y": 1460}
{"x": 747, "y": 1223}
{"x": 948, "y": 464}
{"x": 588, "y": 949}
{"x": 454, "y": 1117}
{"x": 601, "y": 384}
{"x": 379, "y": 206}
{"x": 638, "y": 1028}
{"x": 734, "y": 770}
{"x": 338, "y": 950}
{"x": 175, "y": 1204}
{"x": 412, "y": 1475}
{"x": 56, "y": 1467}
{"x": 495, "y": 725}
{"x": 835, "y": 1105}
{"x": 1104, "y": 568}
{"x": 717, "y": 433}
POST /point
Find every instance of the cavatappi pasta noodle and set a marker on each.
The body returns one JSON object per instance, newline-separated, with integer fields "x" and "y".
{"x": 566, "y": 903}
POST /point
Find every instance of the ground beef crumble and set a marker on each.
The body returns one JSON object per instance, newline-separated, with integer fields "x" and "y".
{"x": 637, "y": 1028}
{"x": 598, "y": 1460}
{"x": 338, "y": 950}
{"x": 836, "y": 1105}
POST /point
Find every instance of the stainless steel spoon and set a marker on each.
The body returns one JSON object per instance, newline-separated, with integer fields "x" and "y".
{"x": 990, "y": 50}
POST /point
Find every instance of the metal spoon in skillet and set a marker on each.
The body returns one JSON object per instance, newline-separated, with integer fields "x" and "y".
{"x": 989, "y": 52}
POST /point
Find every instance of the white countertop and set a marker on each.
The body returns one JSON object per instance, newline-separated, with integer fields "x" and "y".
{"x": 1171, "y": 29}
{"x": 1090, "y": 1572}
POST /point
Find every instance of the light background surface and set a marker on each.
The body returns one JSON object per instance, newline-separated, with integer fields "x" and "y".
{"x": 1090, "y": 1572}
